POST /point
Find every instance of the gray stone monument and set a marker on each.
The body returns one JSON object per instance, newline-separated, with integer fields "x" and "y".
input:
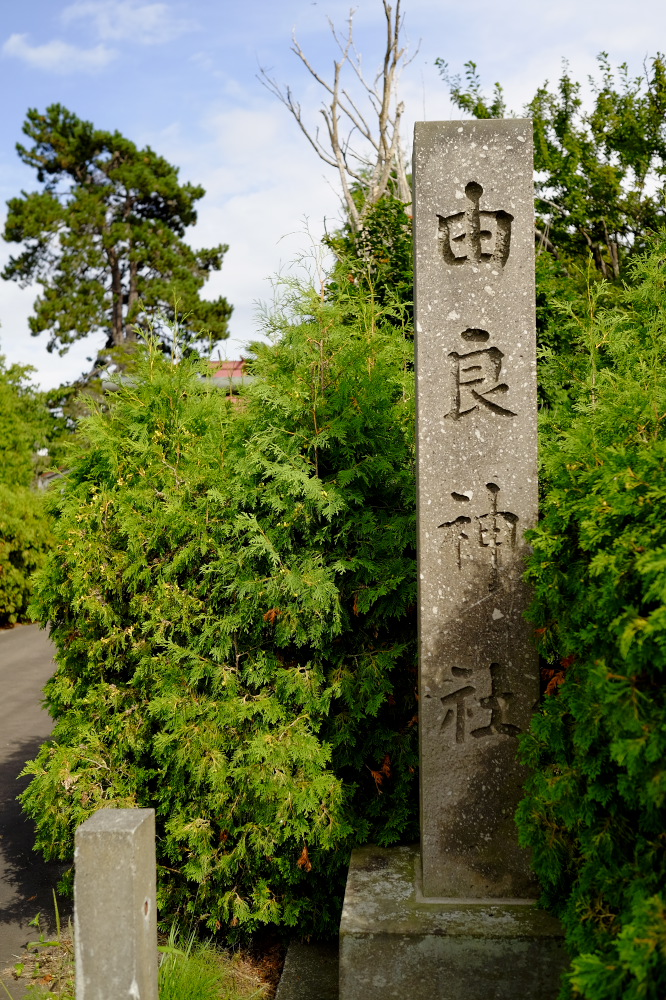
{"x": 115, "y": 915}
{"x": 458, "y": 919}
{"x": 477, "y": 493}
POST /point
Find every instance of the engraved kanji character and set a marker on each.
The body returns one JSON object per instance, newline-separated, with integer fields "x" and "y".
{"x": 466, "y": 236}
{"x": 492, "y": 530}
{"x": 462, "y": 534}
{"x": 463, "y": 703}
{"x": 475, "y": 378}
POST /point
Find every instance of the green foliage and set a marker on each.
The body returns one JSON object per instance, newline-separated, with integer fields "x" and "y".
{"x": 231, "y": 595}
{"x": 188, "y": 969}
{"x": 26, "y": 428}
{"x": 600, "y": 174}
{"x": 103, "y": 237}
{"x": 467, "y": 96}
{"x": 595, "y": 805}
{"x": 377, "y": 262}
{"x": 25, "y": 538}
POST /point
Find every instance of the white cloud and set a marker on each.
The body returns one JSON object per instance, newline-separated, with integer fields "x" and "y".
{"x": 58, "y": 56}
{"x": 260, "y": 181}
{"x": 129, "y": 20}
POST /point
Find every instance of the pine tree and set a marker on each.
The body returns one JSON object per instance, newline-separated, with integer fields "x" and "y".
{"x": 104, "y": 238}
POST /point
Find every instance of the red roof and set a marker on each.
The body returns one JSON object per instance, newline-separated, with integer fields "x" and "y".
{"x": 229, "y": 369}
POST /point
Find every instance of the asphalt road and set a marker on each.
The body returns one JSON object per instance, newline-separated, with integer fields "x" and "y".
{"x": 26, "y": 882}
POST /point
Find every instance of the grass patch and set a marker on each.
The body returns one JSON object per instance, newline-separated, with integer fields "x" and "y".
{"x": 194, "y": 970}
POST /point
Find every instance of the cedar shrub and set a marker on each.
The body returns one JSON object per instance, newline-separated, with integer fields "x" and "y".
{"x": 595, "y": 805}
{"x": 231, "y": 594}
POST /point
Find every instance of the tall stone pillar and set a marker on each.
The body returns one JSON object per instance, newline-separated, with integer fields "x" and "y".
{"x": 457, "y": 920}
{"x": 477, "y": 494}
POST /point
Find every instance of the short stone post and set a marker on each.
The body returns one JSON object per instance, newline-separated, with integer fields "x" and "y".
{"x": 457, "y": 920}
{"x": 115, "y": 920}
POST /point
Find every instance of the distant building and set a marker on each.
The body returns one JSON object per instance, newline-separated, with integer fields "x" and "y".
{"x": 227, "y": 375}
{"x": 230, "y": 375}
{"x": 44, "y": 479}
{"x": 229, "y": 369}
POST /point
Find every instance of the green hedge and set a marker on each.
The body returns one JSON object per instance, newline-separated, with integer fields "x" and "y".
{"x": 595, "y": 809}
{"x": 29, "y": 440}
{"x": 25, "y": 539}
{"x": 231, "y": 594}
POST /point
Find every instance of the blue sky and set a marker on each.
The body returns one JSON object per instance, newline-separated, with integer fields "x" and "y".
{"x": 182, "y": 78}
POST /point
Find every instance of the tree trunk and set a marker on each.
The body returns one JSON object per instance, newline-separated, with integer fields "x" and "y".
{"x": 612, "y": 251}
{"x": 117, "y": 335}
{"x": 133, "y": 297}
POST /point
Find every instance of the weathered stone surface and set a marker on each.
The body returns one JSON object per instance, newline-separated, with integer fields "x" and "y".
{"x": 310, "y": 973}
{"x": 115, "y": 919}
{"x": 394, "y": 945}
{"x": 477, "y": 493}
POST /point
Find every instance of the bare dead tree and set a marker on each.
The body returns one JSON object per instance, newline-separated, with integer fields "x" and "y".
{"x": 362, "y": 143}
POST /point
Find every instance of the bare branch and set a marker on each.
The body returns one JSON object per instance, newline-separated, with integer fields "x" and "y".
{"x": 362, "y": 143}
{"x": 359, "y": 121}
{"x": 285, "y": 97}
{"x": 295, "y": 47}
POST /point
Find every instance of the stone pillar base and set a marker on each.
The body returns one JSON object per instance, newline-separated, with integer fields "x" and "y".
{"x": 394, "y": 945}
